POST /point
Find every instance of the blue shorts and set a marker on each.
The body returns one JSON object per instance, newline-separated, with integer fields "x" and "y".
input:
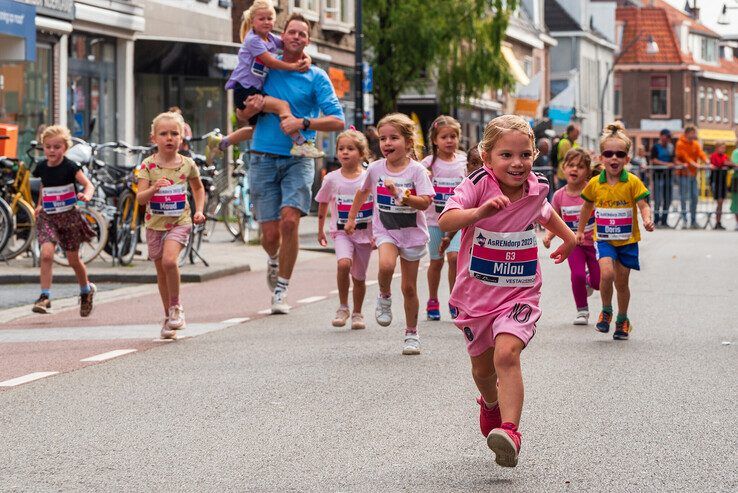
{"x": 280, "y": 181}
{"x": 626, "y": 254}
{"x": 436, "y": 235}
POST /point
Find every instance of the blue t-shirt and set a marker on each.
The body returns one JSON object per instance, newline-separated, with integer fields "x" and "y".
{"x": 308, "y": 94}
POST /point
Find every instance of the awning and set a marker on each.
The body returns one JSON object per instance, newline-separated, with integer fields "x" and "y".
{"x": 515, "y": 69}
{"x": 17, "y": 31}
{"x": 712, "y": 135}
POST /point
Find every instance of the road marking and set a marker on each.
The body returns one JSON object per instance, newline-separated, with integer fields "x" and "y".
{"x": 108, "y": 355}
{"x": 371, "y": 283}
{"x": 311, "y": 299}
{"x": 234, "y": 321}
{"x": 335, "y": 291}
{"x": 27, "y": 378}
{"x": 396, "y": 275}
{"x": 266, "y": 311}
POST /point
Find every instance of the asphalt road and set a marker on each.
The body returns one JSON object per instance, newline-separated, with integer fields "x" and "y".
{"x": 288, "y": 403}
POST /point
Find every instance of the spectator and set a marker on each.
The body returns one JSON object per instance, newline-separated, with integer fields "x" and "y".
{"x": 662, "y": 158}
{"x": 719, "y": 165}
{"x": 689, "y": 153}
{"x": 185, "y": 145}
{"x": 639, "y": 162}
{"x": 567, "y": 141}
{"x": 372, "y": 136}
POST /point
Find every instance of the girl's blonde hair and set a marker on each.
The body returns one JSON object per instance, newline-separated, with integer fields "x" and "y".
{"x": 57, "y": 131}
{"x": 615, "y": 130}
{"x": 577, "y": 152}
{"x": 168, "y": 115}
{"x": 497, "y": 127}
{"x": 248, "y": 15}
{"x": 359, "y": 141}
{"x": 404, "y": 125}
{"x": 439, "y": 123}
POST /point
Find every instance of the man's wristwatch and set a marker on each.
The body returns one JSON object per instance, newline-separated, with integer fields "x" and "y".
{"x": 305, "y": 123}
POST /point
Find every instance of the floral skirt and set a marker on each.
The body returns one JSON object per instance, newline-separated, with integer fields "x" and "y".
{"x": 68, "y": 229}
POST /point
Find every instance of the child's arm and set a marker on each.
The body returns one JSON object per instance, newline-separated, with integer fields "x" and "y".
{"x": 198, "y": 192}
{"x": 359, "y": 199}
{"x": 82, "y": 179}
{"x": 456, "y": 219}
{"x": 146, "y": 189}
{"x": 419, "y": 202}
{"x": 549, "y": 235}
{"x": 646, "y": 214}
{"x": 273, "y": 62}
{"x": 558, "y": 227}
{"x": 584, "y": 215}
{"x": 322, "y": 211}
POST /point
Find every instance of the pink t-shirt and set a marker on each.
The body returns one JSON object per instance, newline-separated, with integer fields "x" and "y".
{"x": 445, "y": 176}
{"x": 406, "y": 226}
{"x": 569, "y": 208}
{"x": 498, "y": 258}
{"x": 338, "y": 191}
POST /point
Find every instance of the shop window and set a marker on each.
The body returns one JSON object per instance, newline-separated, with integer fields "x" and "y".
{"x": 659, "y": 95}
{"x": 337, "y": 15}
{"x": 308, "y": 8}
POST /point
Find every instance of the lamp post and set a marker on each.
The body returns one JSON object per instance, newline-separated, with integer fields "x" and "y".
{"x": 359, "y": 69}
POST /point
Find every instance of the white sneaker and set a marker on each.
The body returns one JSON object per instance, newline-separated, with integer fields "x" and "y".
{"x": 582, "y": 318}
{"x": 176, "y": 318}
{"x": 383, "y": 311}
{"x": 307, "y": 149}
{"x": 412, "y": 344}
{"x": 279, "y": 303}
{"x": 357, "y": 321}
{"x": 272, "y": 274}
{"x": 166, "y": 332}
{"x": 342, "y": 314}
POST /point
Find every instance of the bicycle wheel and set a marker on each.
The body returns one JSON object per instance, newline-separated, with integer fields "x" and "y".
{"x": 184, "y": 254}
{"x": 197, "y": 235}
{"x": 6, "y": 223}
{"x": 24, "y": 230}
{"x": 213, "y": 209}
{"x": 128, "y": 215}
{"x": 91, "y": 249}
{"x": 232, "y": 218}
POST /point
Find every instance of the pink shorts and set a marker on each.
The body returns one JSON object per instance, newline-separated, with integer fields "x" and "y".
{"x": 358, "y": 253}
{"x": 518, "y": 319}
{"x": 155, "y": 239}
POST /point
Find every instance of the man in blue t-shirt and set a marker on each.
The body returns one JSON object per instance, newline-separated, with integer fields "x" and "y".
{"x": 281, "y": 184}
{"x": 662, "y": 158}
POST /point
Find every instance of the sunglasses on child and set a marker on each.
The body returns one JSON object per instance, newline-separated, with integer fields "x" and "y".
{"x": 618, "y": 154}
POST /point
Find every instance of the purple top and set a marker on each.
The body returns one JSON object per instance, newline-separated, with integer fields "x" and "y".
{"x": 251, "y": 71}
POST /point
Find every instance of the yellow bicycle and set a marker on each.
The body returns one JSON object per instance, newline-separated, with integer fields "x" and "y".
{"x": 17, "y": 193}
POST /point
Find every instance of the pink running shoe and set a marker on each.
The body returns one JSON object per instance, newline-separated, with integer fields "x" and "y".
{"x": 489, "y": 419}
{"x": 505, "y": 443}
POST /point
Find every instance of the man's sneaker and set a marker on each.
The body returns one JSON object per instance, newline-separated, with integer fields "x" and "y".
{"x": 505, "y": 443}
{"x": 622, "y": 329}
{"x": 412, "y": 344}
{"x": 279, "y": 303}
{"x": 433, "y": 309}
{"x": 357, "y": 321}
{"x": 42, "y": 305}
{"x": 307, "y": 149}
{"x": 85, "y": 301}
{"x": 212, "y": 148}
{"x": 342, "y": 314}
{"x": 383, "y": 311}
{"x": 176, "y": 318}
{"x": 489, "y": 419}
{"x": 166, "y": 332}
{"x": 582, "y": 318}
{"x": 603, "y": 323}
{"x": 272, "y": 274}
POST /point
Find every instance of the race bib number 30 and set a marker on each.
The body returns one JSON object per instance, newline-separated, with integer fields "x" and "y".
{"x": 504, "y": 259}
{"x": 570, "y": 215}
{"x": 169, "y": 201}
{"x": 343, "y": 205}
{"x": 444, "y": 188}
{"x": 614, "y": 224}
{"x": 58, "y": 199}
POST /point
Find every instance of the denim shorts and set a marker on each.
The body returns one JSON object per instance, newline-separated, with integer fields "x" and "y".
{"x": 280, "y": 181}
{"x": 625, "y": 254}
{"x": 436, "y": 235}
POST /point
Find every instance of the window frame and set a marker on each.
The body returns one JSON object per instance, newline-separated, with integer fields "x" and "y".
{"x": 687, "y": 103}
{"x": 710, "y": 98}
{"x": 310, "y": 13}
{"x": 666, "y": 89}
{"x": 345, "y": 10}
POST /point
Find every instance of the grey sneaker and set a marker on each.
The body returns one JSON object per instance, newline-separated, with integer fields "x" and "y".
{"x": 582, "y": 318}
{"x": 166, "y": 332}
{"x": 176, "y": 318}
{"x": 279, "y": 303}
{"x": 342, "y": 314}
{"x": 383, "y": 311}
{"x": 412, "y": 344}
{"x": 272, "y": 274}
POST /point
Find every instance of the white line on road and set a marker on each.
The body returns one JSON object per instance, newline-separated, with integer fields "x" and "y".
{"x": 396, "y": 275}
{"x": 234, "y": 321}
{"x": 27, "y": 378}
{"x": 108, "y": 355}
{"x": 335, "y": 291}
{"x": 371, "y": 283}
{"x": 311, "y": 299}
{"x": 266, "y": 311}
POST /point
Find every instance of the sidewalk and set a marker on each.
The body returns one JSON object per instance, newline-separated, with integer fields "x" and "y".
{"x": 225, "y": 257}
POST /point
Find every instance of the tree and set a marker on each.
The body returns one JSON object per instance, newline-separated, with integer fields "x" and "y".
{"x": 459, "y": 40}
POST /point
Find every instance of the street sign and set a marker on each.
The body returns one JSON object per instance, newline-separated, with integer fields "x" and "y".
{"x": 367, "y": 84}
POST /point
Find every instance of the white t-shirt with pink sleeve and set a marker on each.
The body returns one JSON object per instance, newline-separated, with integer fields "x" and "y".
{"x": 406, "y": 226}
{"x": 445, "y": 176}
{"x": 338, "y": 191}
{"x": 498, "y": 258}
{"x": 569, "y": 208}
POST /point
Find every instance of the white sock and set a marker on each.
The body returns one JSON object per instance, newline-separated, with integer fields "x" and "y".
{"x": 282, "y": 284}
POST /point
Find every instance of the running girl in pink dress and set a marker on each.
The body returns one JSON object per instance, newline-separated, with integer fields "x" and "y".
{"x": 352, "y": 252}
{"x": 447, "y": 167}
{"x": 568, "y": 204}
{"x": 162, "y": 188}
{"x": 498, "y": 286}
{"x": 402, "y": 191}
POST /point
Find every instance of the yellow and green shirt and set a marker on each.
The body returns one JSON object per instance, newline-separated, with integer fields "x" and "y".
{"x": 616, "y": 215}
{"x": 169, "y": 206}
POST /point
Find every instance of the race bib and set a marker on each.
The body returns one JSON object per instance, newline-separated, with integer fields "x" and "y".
{"x": 259, "y": 69}
{"x": 58, "y": 199}
{"x": 364, "y": 216}
{"x": 169, "y": 201}
{"x": 444, "y": 188}
{"x": 614, "y": 224}
{"x": 386, "y": 202}
{"x": 504, "y": 259}
{"x": 570, "y": 214}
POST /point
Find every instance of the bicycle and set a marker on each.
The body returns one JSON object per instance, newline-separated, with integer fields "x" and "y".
{"x": 17, "y": 192}
{"x": 6, "y": 223}
{"x": 241, "y": 202}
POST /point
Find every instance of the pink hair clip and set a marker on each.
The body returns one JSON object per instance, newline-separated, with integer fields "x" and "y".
{"x": 351, "y": 127}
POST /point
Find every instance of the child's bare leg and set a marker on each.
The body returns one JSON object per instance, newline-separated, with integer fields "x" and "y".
{"x": 79, "y": 268}
{"x": 719, "y": 210}
{"x": 170, "y": 265}
{"x": 47, "y": 262}
{"x": 607, "y": 278}
{"x": 282, "y": 109}
{"x": 161, "y": 281}
{"x": 451, "y": 257}
{"x": 343, "y": 280}
{"x": 510, "y": 376}
{"x": 434, "y": 277}
{"x": 237, "y": 136}
{"x": 387, "y": 260}
{"x": 359, "y": 293}
{"x": 409, "y": 270}
{"x": 485, "y": 376}
{"x": 622, "y": 277}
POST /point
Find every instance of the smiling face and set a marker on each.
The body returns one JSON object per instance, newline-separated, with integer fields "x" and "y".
{"x": 262, "y": 22}
{"x": 511, "y": 160}
{"x": 54, "y": 149}
{"x": 167, "y": 136}
{"x": 393, "y": 145}
{"x": 447, "y": 140}
{"x": 613, "y": 164}
{"x": 295, "y": 37}
{"x": 348, "y": 152}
